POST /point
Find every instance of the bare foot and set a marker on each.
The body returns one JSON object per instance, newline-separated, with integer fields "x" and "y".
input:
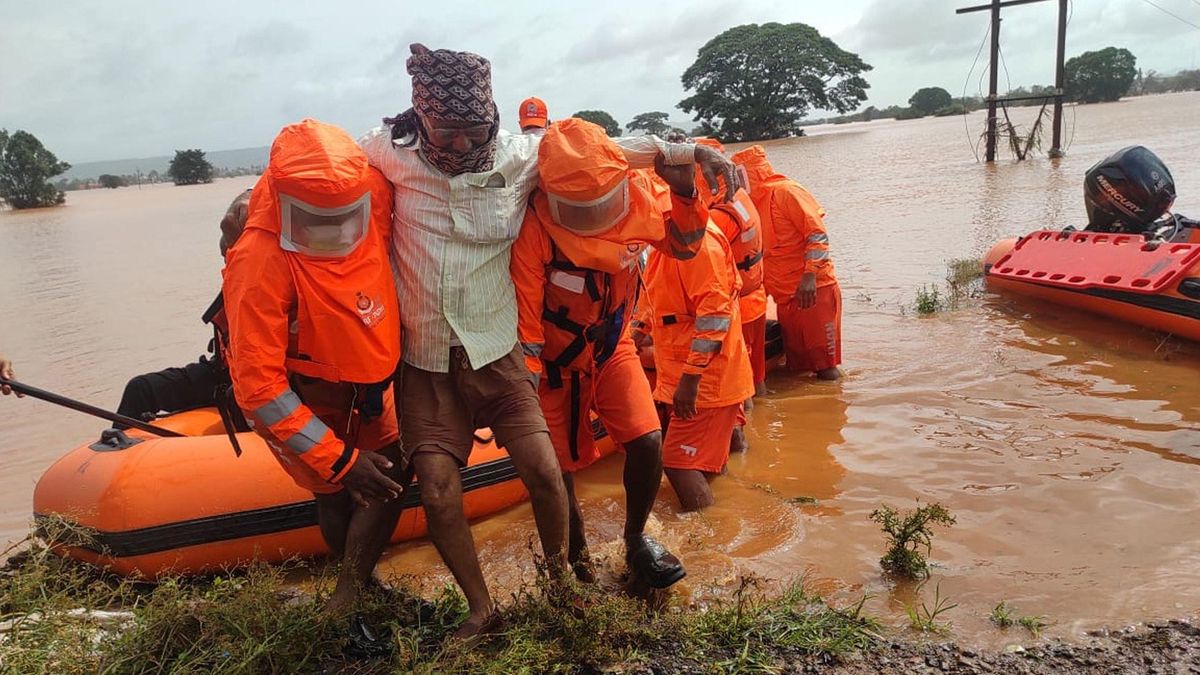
{"x": 829, "y": 374}
{"x": 477, "y": 626}
{"x": 760, "y": 388}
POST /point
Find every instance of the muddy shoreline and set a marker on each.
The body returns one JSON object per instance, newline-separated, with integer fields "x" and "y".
{"x": 1171, "y": 647}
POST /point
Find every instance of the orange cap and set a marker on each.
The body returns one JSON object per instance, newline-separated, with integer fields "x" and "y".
{"x": 578, "y": 161}
{"x": 533, "y": 113}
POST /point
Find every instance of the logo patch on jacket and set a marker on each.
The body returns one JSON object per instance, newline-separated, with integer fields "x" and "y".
{"x": 369, "y": 310}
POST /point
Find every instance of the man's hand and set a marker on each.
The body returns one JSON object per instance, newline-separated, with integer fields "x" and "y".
{"x": 685, "y": 396}
{"x": 806, "y": 293}
{"x": 6, "y": 372}
{"x": 681, "y": 177}
{"x": 715, "y": 166}
{"x": 367, "y": 481}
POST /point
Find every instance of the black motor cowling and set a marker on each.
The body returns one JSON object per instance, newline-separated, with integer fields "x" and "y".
{"x": 1128, "y": 191}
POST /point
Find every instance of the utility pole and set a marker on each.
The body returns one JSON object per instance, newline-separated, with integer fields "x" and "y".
{"x": 993, "y": 98}
{"x": 1056, "y": 149}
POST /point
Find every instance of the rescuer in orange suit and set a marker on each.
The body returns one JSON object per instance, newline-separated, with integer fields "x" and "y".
{"x": 798, "y": 272}
{"x": 576, "y": 265}
{"x": 739, "y": 221}
{"x": 703, "y": 373}
{"x": 315, "y": 337}
{"x": 533, "y": 116}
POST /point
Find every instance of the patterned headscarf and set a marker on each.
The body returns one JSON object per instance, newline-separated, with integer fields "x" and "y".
{"x": 457, "y": 86}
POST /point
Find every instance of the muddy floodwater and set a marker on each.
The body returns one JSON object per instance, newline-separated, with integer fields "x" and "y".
{"x": 1067, "y": 446}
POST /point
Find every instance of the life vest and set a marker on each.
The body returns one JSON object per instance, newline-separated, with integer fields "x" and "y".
{"x": 585, "y": 311}
{"x": 741, "y": 225}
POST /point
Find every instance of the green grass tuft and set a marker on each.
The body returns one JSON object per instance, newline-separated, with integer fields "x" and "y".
{"x": 62, "y": 616}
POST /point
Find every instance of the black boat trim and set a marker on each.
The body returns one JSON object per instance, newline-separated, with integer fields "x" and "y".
{"x": 253, "y": 523}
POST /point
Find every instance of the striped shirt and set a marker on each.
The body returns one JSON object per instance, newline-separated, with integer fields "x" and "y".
{"x": 451, "y": 240}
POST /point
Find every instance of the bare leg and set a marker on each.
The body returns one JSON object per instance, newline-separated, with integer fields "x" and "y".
{"x": 441, "y": 494}
{"x": 737, "y": 440}
{"x": 368, "y": 534}
{"x": 643, "y": 475}
{"x": 533, "y": 457}
{"x": 691, "y": 486}
{"x": 576, "y": 539}
{"x": 333, "y": 518}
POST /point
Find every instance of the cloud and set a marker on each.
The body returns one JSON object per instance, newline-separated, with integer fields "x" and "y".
{"x": 272, "y": 40}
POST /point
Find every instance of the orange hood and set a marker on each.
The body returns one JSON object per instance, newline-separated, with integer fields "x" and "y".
{"x": 758, "y": 169}
{"x": 315, "y": 162}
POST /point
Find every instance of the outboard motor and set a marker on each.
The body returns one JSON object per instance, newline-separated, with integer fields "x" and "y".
{"x": 1127, "y": 192}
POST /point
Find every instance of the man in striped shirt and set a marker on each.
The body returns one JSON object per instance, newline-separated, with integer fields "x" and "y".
{"x": 461, "y": 188}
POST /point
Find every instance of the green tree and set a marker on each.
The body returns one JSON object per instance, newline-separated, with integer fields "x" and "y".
{"x": 606, "y": 121}
{"x": 930, "y": 100}
{"x": 110, "y": 181}
{"x": 1105, "y": 75}
{"x": 758, "y": 81}
{"x": 26, "y": 168}
{"x": 190, "y": 167}
{"x": 651, "y": 123}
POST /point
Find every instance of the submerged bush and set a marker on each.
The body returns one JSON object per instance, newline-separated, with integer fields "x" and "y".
{"x": 907, "y": 534}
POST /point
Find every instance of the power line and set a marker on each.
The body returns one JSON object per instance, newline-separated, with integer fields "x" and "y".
{"x": 966, "y": 127}
{"x": 1170, "y": 13}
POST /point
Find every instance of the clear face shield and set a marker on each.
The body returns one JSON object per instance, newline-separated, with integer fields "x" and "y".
{"x": 323, "y": 232}
{"x": 595, "y": 216}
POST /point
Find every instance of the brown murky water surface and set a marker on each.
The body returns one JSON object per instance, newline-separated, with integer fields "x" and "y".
{"x": 1067, "y": 446}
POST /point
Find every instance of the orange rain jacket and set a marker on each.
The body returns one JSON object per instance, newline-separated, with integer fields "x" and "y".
{"x": 576, "y": 294}
{"x": 740, "y": 222}
{"x": 696, "y": 324}
{"x": 794, "y": 238}
{"x": 336, "y": 319}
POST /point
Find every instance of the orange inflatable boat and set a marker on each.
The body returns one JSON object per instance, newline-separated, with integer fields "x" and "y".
{"x": 188, "y": 505}
{"x": 1151, "y": 284}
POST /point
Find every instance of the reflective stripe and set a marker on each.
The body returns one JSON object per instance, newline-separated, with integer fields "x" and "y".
{"x": 741, "y": 211}
{"x": 705, "y": 346}
{"x": 533, "y": 349}
{"x": 689, "y": 237}
{"x": 712, "y": 322}
{"x": 308, "y": 437}
{"x": 278, "y": 409}
{"x": 816, "y": 255}
{"x": 818, "y": 238}
{"x": 749, "y": 233}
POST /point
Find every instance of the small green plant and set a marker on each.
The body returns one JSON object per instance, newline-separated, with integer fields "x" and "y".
{"x": 1001, "y": 615}
{"x": 907, "y": 534}
{"x": 1034, "y": 624}
{"x": 962, "y": 278}
{"x": 925, "y": 619}
{"x": 929, "y": 300}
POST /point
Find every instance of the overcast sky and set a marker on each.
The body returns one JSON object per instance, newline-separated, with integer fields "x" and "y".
{"x": 135, "y": 78}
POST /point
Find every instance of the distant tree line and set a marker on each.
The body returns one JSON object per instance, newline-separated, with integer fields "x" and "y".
{"x": 148, "y": 178}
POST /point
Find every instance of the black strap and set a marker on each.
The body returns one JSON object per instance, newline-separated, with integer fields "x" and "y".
{"x": 368, "y": 400}
{"x": 572, "y": 351}
{"x": 215, "y": 308}
{"x": 573, "y": 431}
{"x": 750, "y": 261}
{"x": 553, "y": 376}
{"x": 223, "y": 397}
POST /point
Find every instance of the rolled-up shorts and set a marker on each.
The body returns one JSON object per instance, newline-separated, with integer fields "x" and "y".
{"x": 441, "y": 411}
{"x": 701, "y": 443}
{"x": 617, "y": 391}
{"x": 812, "y": 338}
{"x": 755, "y": 333}
{"x": 333, "y": 404}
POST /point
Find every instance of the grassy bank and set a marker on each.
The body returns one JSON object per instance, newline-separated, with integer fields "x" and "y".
{"x": 59, "y": 616}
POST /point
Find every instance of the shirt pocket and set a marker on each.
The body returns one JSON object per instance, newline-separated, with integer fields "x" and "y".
{"x": 489, "y": 213}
